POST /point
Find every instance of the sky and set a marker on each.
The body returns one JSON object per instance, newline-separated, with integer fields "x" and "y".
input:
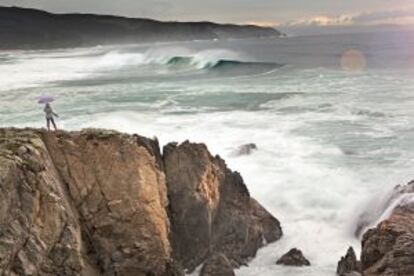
{"x": 284, "y": 14}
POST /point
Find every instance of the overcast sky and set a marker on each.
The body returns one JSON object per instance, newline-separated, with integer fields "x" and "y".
{"x": 281, "y": 13}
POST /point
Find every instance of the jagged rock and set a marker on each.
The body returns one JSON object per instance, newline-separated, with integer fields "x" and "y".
{"x": 244, "y": 149}
{"x": 217, "y": 265}
{"x": 211, "y": 209}
{"x": 388, "y": 249}
{"x": 84, "y": 203}
{"x": 293, "y": 258}
{"x": 121, "y": 197}
{"x": 95, "y": 202}
{"x": 370, "y": 217}
{"x": 36, "y": 218}
{"x": 348, "y": 264}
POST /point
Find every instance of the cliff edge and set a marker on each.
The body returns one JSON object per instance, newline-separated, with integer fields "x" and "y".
{"x": 99, "y": 202}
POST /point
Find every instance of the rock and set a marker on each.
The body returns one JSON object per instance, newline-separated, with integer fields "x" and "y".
{"x": 96, "y": 202}
{"x": 388, "y": 249}
{"x": 348, "y": 264}
{"x": 37, "y": 235}
{"x": 76, "y": 202}
{"x": 120, "y": 193}
{"x": 211, "y": 209}
{"x": 293, "y": 258}
{"x": 381, "y": 206}
{"x": 217, "y": 265}
{"x": 244, "y": 149}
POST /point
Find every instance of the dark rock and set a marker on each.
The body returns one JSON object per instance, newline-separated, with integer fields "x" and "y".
{"x": 370, "y": 218}
{"x": 217, "y": 265}
{"x": 244, "y": 150}
{"x": 152, "y": 146}
{"x": 211, "y": 209}
{"x": 388, "y": 249}
{"x": 38, "y": 29}
{"x": 348, "y": 264}
{"x": 293, "y": 258}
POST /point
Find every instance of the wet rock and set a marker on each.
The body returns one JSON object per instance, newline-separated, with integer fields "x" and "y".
{"x": 217, "y": 265}
{"x": 244, "y": 149}
{"x": 348, "y": 264}
{"x": 388, "y": 249}
{"x": 211, "y": 209}
{"x": 293, "y": 258}
{"x": 379, "y": 206}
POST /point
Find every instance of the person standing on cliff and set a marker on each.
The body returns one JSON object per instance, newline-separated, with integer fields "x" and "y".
{"x": 50, "y": 116}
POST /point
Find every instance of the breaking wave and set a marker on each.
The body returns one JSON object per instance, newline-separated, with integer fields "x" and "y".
{"x": 220, "y": 63}
{"x": 204, "y": 60}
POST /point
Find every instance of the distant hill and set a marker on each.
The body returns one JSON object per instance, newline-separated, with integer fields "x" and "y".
{"x": 22, "y": 28}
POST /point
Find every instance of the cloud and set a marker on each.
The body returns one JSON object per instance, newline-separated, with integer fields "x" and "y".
{"x": 396, "y": 17}
{"x": 321, "y": 20}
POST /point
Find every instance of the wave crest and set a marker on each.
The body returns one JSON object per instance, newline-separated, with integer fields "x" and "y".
{"x": 204, "y": 60}
{"x": 218, "y": 64}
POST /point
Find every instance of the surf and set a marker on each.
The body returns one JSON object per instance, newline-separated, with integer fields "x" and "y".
{"x": 181, "y": 58}
{"x": 220, "y": 64}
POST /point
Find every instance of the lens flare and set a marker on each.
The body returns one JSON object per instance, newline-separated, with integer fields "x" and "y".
{"x": 353, "y": 61}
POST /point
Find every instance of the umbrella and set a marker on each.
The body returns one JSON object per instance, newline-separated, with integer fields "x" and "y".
{"x": 45, "y": 99}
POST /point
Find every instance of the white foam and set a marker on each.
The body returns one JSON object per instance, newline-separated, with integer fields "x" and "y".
{"x": 34, "y": 69}
{"x": 37, "y": 68}
{"x": 163, "y": 55}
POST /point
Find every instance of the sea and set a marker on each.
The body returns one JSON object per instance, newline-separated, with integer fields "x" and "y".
{"x": 332, "y": 117}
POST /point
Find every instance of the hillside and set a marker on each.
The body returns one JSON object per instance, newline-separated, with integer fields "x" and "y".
{"x": 22, "y": 28}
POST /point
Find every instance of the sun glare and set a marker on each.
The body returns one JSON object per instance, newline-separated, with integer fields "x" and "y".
{"x": 353, "y": 60}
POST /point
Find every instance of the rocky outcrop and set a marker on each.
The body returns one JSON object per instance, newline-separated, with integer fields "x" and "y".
{"x": 39, "y": 233}
{"x": 244, "y": 150}
{"x": 381, "y": 207}
{"x": 388, "y": 249}
{"x": 96, "y": 203}
{"x": 293, "y": 258}
{"x": 217, "y": 265}
{"x": 211, "y": 210}
{"x": 117, "y": 187}
{"x": 349, "y": 264}
{"x": 83, "y": 203}
{"x": 33, "y": 29}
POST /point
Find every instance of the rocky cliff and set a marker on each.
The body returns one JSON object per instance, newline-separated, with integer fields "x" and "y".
{"x": 388, "y": 248}
{"x": 103, "y": 203}
{"x": 31, "y": 29}
{"x": 211, "y": 209}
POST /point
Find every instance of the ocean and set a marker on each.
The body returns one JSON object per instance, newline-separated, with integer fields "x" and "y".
{"x": 332, "y": 117}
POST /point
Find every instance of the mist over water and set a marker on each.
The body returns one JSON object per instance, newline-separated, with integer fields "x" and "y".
{"x": 334, "y": 128}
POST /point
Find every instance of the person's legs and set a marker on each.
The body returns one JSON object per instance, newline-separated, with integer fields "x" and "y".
{"x": 48, "y": 124}
{"x": 53, "y": 123}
